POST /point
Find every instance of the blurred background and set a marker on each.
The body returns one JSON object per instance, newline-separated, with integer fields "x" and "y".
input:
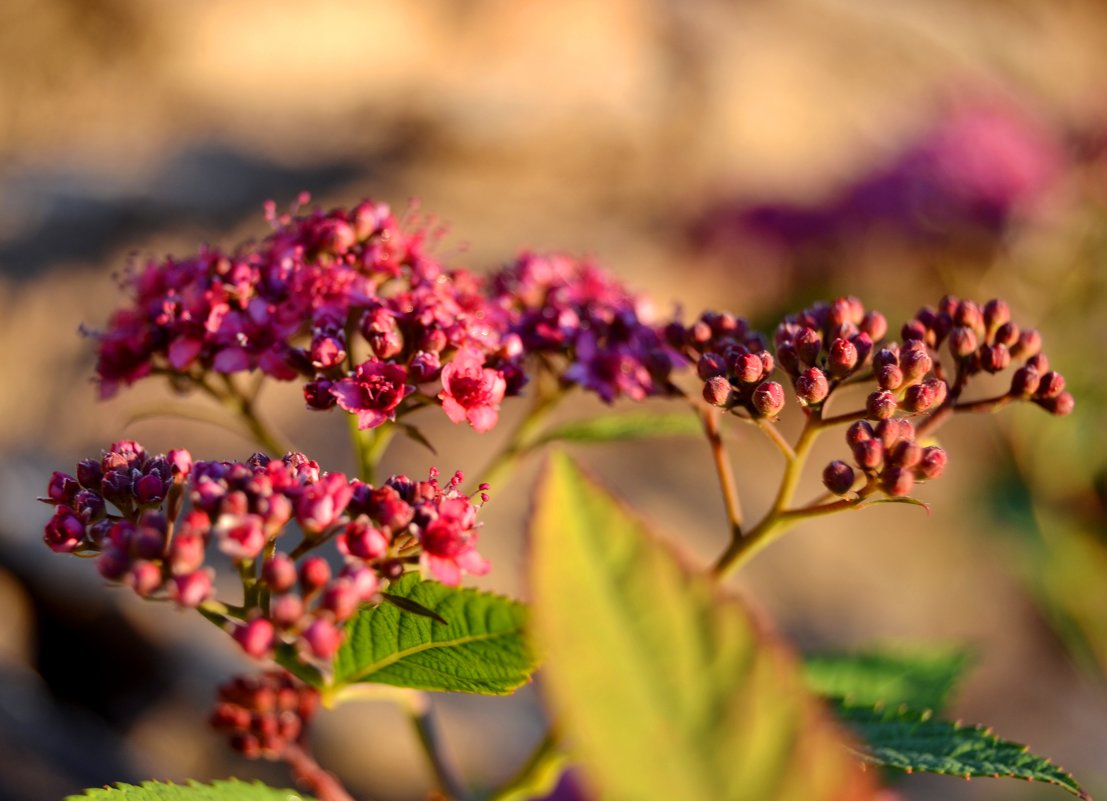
{"x": 748, "y": 156}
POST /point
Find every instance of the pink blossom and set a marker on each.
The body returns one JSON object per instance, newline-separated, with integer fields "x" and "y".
{"x": 373, "y": 393}
{"x": 449, "y": 542}
{"x": 471, "y": 391}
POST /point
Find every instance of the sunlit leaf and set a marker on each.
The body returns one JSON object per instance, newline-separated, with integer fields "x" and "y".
{"x": 917, "y": 677}
{"x": 232, "y": 790}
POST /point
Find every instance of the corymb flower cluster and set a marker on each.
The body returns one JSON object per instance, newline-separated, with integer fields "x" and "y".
{"x": 352, "y": 305}
{"x": 129, "y": 510}
{"x": 264, "y": 714}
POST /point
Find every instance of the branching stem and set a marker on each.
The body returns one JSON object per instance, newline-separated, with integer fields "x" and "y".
{"x": 709, "y": 416}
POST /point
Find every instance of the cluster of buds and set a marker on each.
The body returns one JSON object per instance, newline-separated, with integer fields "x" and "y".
{"x": 733, "y": 363}
{"x": 888, "y": 456}
{"x": 126, "y": 508}
{"x": 984, "y": 339}
{"x": 826, "y": 344}
{"x": 557, "y": 305}
{"x": 264, "y": 714}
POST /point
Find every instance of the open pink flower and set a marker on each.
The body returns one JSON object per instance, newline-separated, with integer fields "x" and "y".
{"x": 449, "y": 543}
{"x": 471, "y": 391}
{"x": 373, "y": 392}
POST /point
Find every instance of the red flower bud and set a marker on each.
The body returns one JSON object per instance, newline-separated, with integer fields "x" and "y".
{"x": 256, "y": 637}
{"x": 1060, "y": 405}
{"x": 932, "y": 464}
{"x": 897, "y": 481}
{"x": 314, "y": 573}
{"x": 279, "y": 572}
{"x": 748, "y": 368}
{"x": 323, "y": 639}
{"x": 768, "y": 399}
{"x": 838, "y": 477}
{"x": 994, "y": 358}
{"x": 962, "y": 341}
{"x": 710, "y": 365}
{"x": 842, "y": 358}
{"x": 808, "y": 343}
{"x": 1051, "y": 385}
{"x": 996, "y": 313}
{"x": 717, "y": 390}
{"x": 812, "y": 387}
{"x": 880, "y": 405}
{"x": 875, "y": 325}
{"x": 1025, "y": 382}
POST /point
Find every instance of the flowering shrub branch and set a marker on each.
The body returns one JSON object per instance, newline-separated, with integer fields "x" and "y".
{"x": 351, "y": 304}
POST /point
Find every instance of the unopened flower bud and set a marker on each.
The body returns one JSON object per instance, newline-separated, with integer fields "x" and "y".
{"x": 838, "y": 477}
{"x": 90, "y": 473}
{"x": 341, "y": 598}
{"x": 286, "y": 611}
{"x": 768, "y": 398}
{"x": 1038, "y": 362}
{"x": 256, "y": 638}
{"x": 1059, "y": 405}
{"x": 1024, "y": 382}
{"x": 1007, "y": 335}
{"x": 886, "y": 356}
{"x": 425, "y": 366}
{"x": 1029, "y": 344}
{"x": 875, "y": 325}
{"x": 962, "y": 341}
{"x": 994, "y": 358}
{"x": 808, "y": 343}
{"x": 905, "y": 454}
{"x": 932, "y": 464}
{"x": 716, "y": 391}
{"x": 113, "y": 564}
{"x": 767, "y": 362}
{"x": 880, "y": 405}
{"x": 889, "y": 432}
{"x": 912, "y": 331}
{"x": 314, "y": 573}
{"x": 323, "y": 639}
{"x": 889, "y": 377}
{"x": 869, "y": 454}
{"x": 897, "y": 481}
{"x": 279, "y": 573}
{"x": 1051, "y": 385}
{"x": 968, "y": 314}
{"x": 996, "y": 313}
{"x": 710, "y": 365}
{"x": 914, "y": 360}
{"x": 191, "y": 590}
{"x": 748, "y": 368}
{"x": 145, "y": 578}
{"x": 925, "y": 396}
{"x": 65, "y": 531}
{"x": 318, "y": 395}
{"x": 812, "y": 387}
{"x": 842, "y": 358}
{"x": 863, "y": 344}
{"x": 860, "y": 431}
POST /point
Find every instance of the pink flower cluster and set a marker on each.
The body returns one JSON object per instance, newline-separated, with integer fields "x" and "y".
{"x": 264, "y": 714}
{"x": 127, "y": 507}
{"x": 352, "y": 305}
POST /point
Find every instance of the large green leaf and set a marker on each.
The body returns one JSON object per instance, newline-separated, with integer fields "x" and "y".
{"x": 664, "y": 687}
{"x": 916, "y": 677}
{"x": 480, "y": 649}
{"x": 618, "y": 427}
{"x": 911, "y": 741}
{"x": 232, "y": 790}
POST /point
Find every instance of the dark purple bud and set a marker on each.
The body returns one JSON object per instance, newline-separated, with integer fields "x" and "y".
{"x": 932, "y": 464}
{"x": 786, "y": 355}
{"x": 897, "y": 481}
{"x": 808, "y": 343}
{"x": 875, "y": 325}
{"x": 89, "y": 474}
{"x": 869, "y": 454}
{"x": 948, "y": 304}
{"x": 1060, "y": 405}
{"x": 113, "y": 564}
{"x": 812, "y": 387}
{"x": 996, "y": 313}
{"x": 710, "y": 365}
{"x": 314, "y": 574}
{"x": 318, "y": 396}
{"x": 842, "y": 358}
{"x": 191, "y": 590}
{"x": 886, "y": 356}
{"x": 1028, "y": 345}
{"x": 860, "y": 431}
{"x": 145, "y": 578}
{"x": 717, "y": 391}
{"x": 994, "y": 358}
{"x": 1051, "y": 385}
{"x": 256, "y": 638}
{"x": 768, "y": 399}
{"x": 838, "y": 477}
{"x": 863, "y": 344}
{"x": 1007, "y": 334}
{"x": 148, "y": 541}
{"x": 323, "y": 639}
{"x": 61, "y": 488}
{"x": 279, "y": 573}
{"x": 1025, "y": 382}
{"x": 149, "y": 489}
{"x": 425, "y": 366}
{"x": 748, "y": 368}
{"x": 912, "y": 331}
{"x": 880, "y": 405}
{"x": 962, "y": 341}
{"x": 65, "y": 531}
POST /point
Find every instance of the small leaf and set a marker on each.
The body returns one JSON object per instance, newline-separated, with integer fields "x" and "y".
{"x": 479, "y": 649}
{"x": 662, "y": 685}
{"x": 911, "y": 741}
{"x": 409, "y": 605}
{"x": 903, "y": 499}
{"x": 416, "y": 435}
{"x": 232, "y": 790}
{"x": 617, "y": 427}
{"x": 918, "y": 678}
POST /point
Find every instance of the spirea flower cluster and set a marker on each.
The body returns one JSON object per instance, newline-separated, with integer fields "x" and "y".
{"x": 264, "y": 714}
{"x": 352, "y": 305}
{"x": 128, "y": 508}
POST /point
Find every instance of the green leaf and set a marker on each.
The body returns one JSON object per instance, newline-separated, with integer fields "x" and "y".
{"x": 662, "y": 685}
{"x": 910, "y": 740}
{"x": 617, "y": 427}
{"x": 232, "y": 790}
{"x": 480, "y": 649}
{"x": 918, "y": 678}
{"x": 408, "y": 605}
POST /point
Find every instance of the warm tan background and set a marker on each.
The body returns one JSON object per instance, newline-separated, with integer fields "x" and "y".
{"x": 637, "y": 131}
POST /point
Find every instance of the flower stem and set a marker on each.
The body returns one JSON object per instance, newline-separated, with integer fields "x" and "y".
{"x": 709, "y": 416}
{"x": 311, "y": 775}
{"x": 369, "y": 446}
{"x": 522, "y": 437}
{"x": 539, "y": 774}
{"x": 422, "y": 718}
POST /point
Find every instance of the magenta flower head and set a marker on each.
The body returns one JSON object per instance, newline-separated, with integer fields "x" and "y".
{"x": 449, "y": 542}
{"x": 373, "y": 393}
{"x": 471, "y": 391}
